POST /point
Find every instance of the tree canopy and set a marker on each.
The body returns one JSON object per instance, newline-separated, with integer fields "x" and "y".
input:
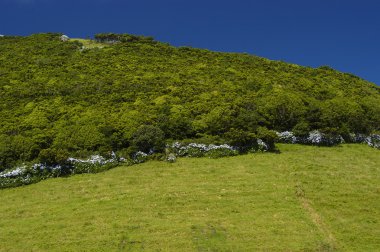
{"x": 60, "y": 97}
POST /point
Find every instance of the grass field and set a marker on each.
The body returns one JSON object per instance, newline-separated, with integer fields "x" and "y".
{"x": 304, "y": 199}
{"x": 89, "y": 43}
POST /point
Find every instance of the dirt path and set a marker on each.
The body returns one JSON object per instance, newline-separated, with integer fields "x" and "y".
{"x": 317, "y": 219}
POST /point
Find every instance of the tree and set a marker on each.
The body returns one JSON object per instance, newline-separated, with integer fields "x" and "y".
{"x": 241, "y": 139}
{"x": 281, "y": 109}
{"x": 148, "y": 138}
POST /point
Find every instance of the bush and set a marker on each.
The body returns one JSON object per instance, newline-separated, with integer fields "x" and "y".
{"x": 171, "y": 158}
{"x": 269, "y": 137}
{"x": 374, "y": 141}
{"x": 27, "y": 174}
{"x": 148, "y": 139}
{"x": 286, "y": 137}
{"x": 301, "y": 129}
{"x": 242, "y": 140}
{"x": 314, "y": 137}
{"x": 202, "y": 150}
{"x": 53, "y": 156}
{"x": 204, "y": 139}
{"x": 140, "y": 157}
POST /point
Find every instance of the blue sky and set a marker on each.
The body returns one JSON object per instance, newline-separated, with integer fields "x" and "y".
{"x": 342, "y": 34}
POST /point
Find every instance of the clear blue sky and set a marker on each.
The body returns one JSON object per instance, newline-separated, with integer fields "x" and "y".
{"x": 342, "y": 34}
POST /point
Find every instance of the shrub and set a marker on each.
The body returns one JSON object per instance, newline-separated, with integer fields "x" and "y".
{"x": 242, "y": 140}
{"x": 148, "y": 139}
{"x": 286, "y": 137}
{"x": 53, "y": 156}
{"x": 301, "y": 129}
{"x": 269, "y": 137}
{"x": 374, "y": 141}
{"x": 202, "y": 150}
{"x": 140, "y": 157}
{"x": 27, "y": 174}
{"x": 316, "y": 137}
{"x": 94, "y": 164}
{"x": 171, "y": 158}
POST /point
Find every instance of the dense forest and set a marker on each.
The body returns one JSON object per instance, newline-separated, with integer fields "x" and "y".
{"x": 61, "y": 98}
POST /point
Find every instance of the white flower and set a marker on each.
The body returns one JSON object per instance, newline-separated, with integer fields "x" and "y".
{"x": 315, "y": 137}
{"x": 95, "y": 159}
{"x": 373, "y": 141}
{"x": 262, "y": 145}
{"x": 286, "y": 137}
{"x": 19, "y": 171}
{"x": 171, "y": 158}
{"x": 141, "y": 154}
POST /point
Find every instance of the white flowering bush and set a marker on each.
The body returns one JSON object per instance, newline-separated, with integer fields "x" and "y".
{"x": 202, "y": 150}
{"x": 213, "y": 150}
{"x": 286, "y": 137}
{"x": 262, "y": 145}
{"x": 320, "y": 139}
{"x": 19, "y": 171}
{"x": 17, "y": 181}
{"x": 357, "y": 138}
{"x": 171, "y": 158}
{"x": 23, "y": 175}
{"x": 374, "y": 141}
{"x": 139, "y": 157}
{"x": 315, "y": 137}
{"x": 47, "y": 171}
{"x": 28, "y": 174}
{"x": 94, "y": 164}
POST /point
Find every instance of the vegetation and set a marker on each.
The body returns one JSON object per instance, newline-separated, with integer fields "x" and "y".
{"x": 304, "y": 199}
{"x": 79, "y": 98}
{"x": 116, "y": 38}
{"x": 88, "y": 43}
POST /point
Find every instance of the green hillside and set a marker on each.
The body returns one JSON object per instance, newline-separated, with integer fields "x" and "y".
{"x": 80, "y": 97}
{"x": 304, "y": 199}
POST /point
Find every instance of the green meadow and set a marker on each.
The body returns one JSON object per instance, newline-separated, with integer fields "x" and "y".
{"x": 89, "y": 44}
{"x": 303, "y": 199}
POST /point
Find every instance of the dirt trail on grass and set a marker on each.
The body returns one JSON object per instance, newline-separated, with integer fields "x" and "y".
{"x": 317, "y": 219}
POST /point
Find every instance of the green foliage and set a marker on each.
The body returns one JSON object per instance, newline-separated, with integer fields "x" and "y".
{"x": 57, "y": 95}
{"x": 53, "y": 156}
{"x": 205, "y": 139}
{"x": 282, "y": 109}
{"x": 301, "y": 129}
{"x": 241, "y": 139}
{"x": 148, "y": 138}
{"x": 268, "y": 136}
{"x": 114, "y": 38}
{"x": 92, "y": 167}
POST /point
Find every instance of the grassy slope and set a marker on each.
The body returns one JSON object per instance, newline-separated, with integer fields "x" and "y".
{"x": 89, "y": 44}
{"x": 305, "y": 199}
